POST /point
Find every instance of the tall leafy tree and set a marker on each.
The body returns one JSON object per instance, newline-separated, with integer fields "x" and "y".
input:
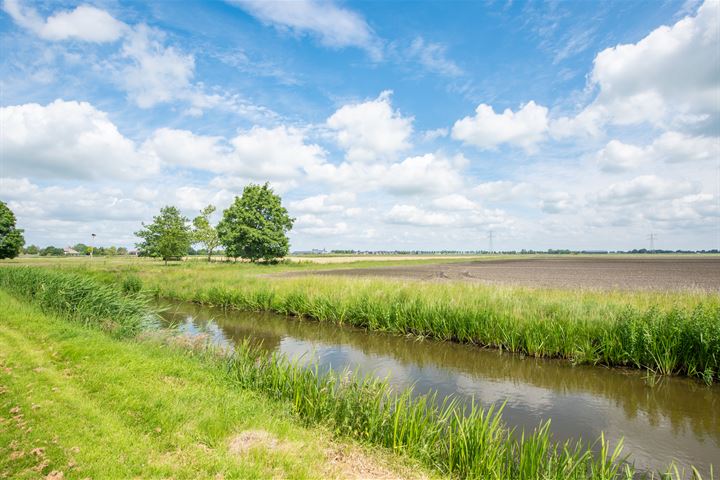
{"x": 168, "y": 236}
{"x": 11, "y": 237}
{"x": 255, "y": 226}
{"x": 204, "y": 233}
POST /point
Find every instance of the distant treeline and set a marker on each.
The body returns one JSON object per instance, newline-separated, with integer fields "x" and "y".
{"x": 551, "y": 251}
{"x": 82, "y": 249}
{"x": 79, "y": 249}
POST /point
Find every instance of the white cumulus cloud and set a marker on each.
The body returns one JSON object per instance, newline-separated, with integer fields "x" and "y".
{"x": 371, "y": 130}
{"x": 412, "y": 215}
{"x": 647, "y": 188}
{"x": 260, "y": 153}
{"x": 323, "y": 203}
{"x": 67, "y": 139}
{"x": 83, "y": 23}
{"x": 486, "y": 130}
{"x": 670, "y": 78}
{"x": 670, "y": 147}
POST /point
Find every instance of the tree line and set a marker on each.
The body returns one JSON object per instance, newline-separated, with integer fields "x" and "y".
{"x": 253, "y": 227}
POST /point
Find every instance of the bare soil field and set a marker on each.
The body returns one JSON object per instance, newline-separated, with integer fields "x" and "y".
{"x": 324, "y": 259}
{"x": 691, "y": 273}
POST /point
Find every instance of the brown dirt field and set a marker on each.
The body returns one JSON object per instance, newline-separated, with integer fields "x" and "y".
{"x": 691, "y": 273}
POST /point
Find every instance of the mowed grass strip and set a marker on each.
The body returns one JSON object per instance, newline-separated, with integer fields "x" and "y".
{"x": 77, "y": 401}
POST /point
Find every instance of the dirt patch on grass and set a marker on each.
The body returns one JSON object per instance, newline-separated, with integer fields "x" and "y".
{"x": 344, "y": 462}
{"x": 245, "y": 441}
{"x": 352, "y": 463}
{"x": 612, "y": 273}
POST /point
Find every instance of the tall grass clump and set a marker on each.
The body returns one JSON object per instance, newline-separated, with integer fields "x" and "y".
{"x": 131, "y": 284}
{"x": 79, "y": 297}
{"x": 665, "y": 334}
{"x": 459, "y": 440}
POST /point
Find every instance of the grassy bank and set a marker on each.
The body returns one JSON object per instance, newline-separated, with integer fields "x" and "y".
{"x": 666, "y": 334}
{"x": 674, "y": 333}
{"x": 77, "y": 401}
{"x": 449, "y": 438}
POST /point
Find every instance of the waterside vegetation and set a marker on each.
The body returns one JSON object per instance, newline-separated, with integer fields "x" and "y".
{"x": 466, "y": 442}
{"x": 669, "y": 333}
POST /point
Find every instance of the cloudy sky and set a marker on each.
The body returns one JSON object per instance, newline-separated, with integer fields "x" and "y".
{"x": 384, "y": 125}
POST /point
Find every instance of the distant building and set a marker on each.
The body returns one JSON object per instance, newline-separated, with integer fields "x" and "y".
{"x": 71, "y": 252}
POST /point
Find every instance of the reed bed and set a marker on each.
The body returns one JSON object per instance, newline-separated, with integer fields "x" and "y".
{"x": 670, "y": 334}
{"x": 81, "y": 298}
{"x": 462, "y": 441}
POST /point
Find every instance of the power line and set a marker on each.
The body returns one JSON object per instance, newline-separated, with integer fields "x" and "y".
{"x": 490, "y": 240}
{"x": 652, "y": 238}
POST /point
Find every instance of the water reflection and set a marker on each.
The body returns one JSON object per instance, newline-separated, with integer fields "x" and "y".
{"x": 679, "y": 419}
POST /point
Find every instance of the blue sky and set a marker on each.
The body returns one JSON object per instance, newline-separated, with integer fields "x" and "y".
{"x": 384, "y": 125}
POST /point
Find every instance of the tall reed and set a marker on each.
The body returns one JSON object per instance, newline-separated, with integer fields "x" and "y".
{"x": 463, "y": 441}
{"x": 654, "y": 332}
{"x": 79, "y": 297}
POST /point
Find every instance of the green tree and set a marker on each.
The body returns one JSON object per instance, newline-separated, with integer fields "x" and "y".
{"x": 122, "y": 251}
{"x": 255, "y": 225}
{"x": 52, "y": 251}
{"x": 82, "y": 249}
{"x": 204, "y": 232}
{"x": 32, "y": 250}
{"x": 11, "y": 238}
{"x": 168, "y": 236}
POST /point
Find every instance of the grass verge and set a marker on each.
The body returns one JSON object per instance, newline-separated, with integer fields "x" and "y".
{"x": 77, "y": 403}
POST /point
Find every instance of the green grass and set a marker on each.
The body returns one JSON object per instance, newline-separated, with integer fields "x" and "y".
{"x": 467, "y": 442}
{"x": 674, "y": 333}
{"x": 78, "y": 401}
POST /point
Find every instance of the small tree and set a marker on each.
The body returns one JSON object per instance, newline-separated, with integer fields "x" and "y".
{"x": 168, "y": 236}
{"x": 11, "y": 238}
{"x": 204, "y": 232}
{"x": 255, "y": 225}
{"x": 32, "y": 250}
{"x": 82, "y": 249}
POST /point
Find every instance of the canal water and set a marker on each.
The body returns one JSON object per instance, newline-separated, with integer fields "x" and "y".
{"x": 675, "y": 420}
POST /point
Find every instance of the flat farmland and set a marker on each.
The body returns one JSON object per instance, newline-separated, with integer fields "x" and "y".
{"x": 611, "y": 273}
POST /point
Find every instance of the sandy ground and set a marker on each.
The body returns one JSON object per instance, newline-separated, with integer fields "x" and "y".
{"x": 678, "y": 273}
